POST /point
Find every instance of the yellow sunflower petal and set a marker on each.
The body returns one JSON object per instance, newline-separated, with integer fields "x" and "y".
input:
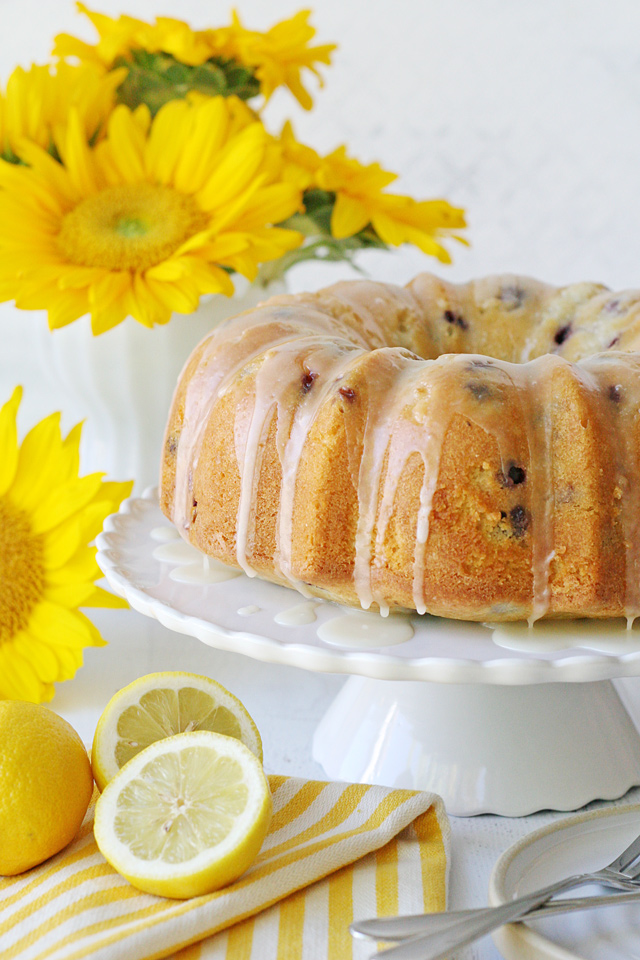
{"x": 209, "y": 134}
{"x": 167, "y": 139}
{"x": 66, "y": 628}
{"x": 70, "y": 595}
{"x": 36, "y": 200}
{"x": 229, "y": 213}
{"x": 64, "y": 501}
{"x": 65, "y": 306}
{"x": 71, "y": 453}
{"x": 77, "y": 158}
{"x": 389, "y": 230}
{"x": 212, "y": 247}
{"x": 271, "y": 204}
{"x": 18, "y": 678}
{"x": 127, "y": 142}
{"x": 244, "y": 263}
{"x": 108, "y": 300}
{"x": 234, "y": 173}
{"x": 50, "y": 173}
{"x": 41, "y": 655}
{"x": 9, "y": 440}
{"x": 268, "y": 244}
{"x": 149, "y": 310}
{"x": 80, "y": 278}
{"x": 81, "y": 567}
{"x": 61, "y": 544}
{"x": 180, "y": 298}
{"x": 103, "y": 598}
{"x": 66, "y": 45}
{"x": 115, "y": 491}
{"x": 210, "y": 278}
{"x": 349, "y": 216}
{"x": 40, "y": 458}
{"x": 65, "y": 661}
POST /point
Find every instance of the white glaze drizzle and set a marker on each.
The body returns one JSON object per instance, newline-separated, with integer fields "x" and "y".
{"x": 381, "y": 417}
{"x": 291, "y": 449}
{"x": 548, "y": 636}
{"x": 616, "y": 378}
{"x": 199, "y": 574}
{"x": 365, "y": 629}
{"x": 177, "y": 551}
{"x": 164, "y": 534}
{"x": 535, "y": 382}
{"x": 298, "y": 616}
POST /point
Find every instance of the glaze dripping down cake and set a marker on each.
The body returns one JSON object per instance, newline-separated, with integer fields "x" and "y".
{"x": 470, "y": 451}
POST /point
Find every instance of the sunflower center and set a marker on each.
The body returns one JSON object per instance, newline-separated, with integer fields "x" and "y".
{"x": 131, "y": 226}
{"x": 21, "y": 570}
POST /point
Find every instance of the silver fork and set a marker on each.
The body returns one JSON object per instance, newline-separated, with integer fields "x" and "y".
{"x": 623, "y": 873}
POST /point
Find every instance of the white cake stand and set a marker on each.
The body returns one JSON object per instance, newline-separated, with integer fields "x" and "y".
{"x": 505, "y": 721}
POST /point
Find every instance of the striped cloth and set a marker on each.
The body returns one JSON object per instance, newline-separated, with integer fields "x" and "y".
{"x": 335, "y": 852}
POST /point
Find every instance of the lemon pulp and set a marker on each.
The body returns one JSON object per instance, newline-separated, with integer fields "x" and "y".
{"x": 163, "y": 712}
{"x": 180, "y": 804}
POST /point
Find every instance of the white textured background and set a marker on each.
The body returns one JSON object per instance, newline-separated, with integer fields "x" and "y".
{"x": 525, "y": 112}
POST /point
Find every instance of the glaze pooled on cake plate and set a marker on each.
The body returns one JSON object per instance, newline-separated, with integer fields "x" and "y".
{"x": 470, "y": 451}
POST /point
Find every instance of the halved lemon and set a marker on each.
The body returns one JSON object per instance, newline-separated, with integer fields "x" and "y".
{"x": 160, "y": 705}
{"x": 185, "y": 816}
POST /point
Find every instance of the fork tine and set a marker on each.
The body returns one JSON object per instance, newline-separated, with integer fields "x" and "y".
{"x": 633, "y": 870}
{"x": 627, "y": 857}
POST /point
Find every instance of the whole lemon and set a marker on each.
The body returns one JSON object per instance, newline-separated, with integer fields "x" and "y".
{"x": 45, "y": 784}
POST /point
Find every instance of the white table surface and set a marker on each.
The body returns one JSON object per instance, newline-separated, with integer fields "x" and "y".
{"x": 286, "y": 704}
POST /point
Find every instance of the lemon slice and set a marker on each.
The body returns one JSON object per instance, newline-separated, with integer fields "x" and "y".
{"x": 160, "y": 705}
{"x": 186, "y": 816}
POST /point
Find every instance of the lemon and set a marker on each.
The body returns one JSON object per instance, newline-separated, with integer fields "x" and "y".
{"x": 161, "y": 705}
{"x": 185, "y": 816}
{"x": 45, "y": 784}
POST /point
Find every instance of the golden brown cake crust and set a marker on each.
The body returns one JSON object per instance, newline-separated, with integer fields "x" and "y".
{"x": 470, "y": 451}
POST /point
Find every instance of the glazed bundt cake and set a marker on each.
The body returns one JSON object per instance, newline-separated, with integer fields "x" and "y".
{"x": 468, "y": 451}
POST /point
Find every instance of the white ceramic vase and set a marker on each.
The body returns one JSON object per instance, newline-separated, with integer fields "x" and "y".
{"x": 120, "y": 383}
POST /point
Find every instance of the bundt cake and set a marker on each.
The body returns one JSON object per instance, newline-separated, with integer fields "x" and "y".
{"x": 469, "y": 451}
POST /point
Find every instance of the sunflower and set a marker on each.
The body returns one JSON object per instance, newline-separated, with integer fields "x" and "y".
{"x": 360, "y": 201}
{"x": 36, "y": 103}
{"x": 147, "y": 221}
{"x": 48, "y": 515}
{"x": 274, "y": 58}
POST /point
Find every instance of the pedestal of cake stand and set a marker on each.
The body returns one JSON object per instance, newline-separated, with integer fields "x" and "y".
{"x": 485, "y": 748}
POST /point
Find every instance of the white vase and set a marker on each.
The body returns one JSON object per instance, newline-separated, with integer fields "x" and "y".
{"x": 121, "y": 383}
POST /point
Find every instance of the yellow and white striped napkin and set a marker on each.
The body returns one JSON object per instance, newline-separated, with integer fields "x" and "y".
{"x": 335, "y": 852}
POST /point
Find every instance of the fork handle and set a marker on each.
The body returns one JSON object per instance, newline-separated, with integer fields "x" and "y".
{"x": 423, "y": 924}
{"x": 464, "y": 931}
